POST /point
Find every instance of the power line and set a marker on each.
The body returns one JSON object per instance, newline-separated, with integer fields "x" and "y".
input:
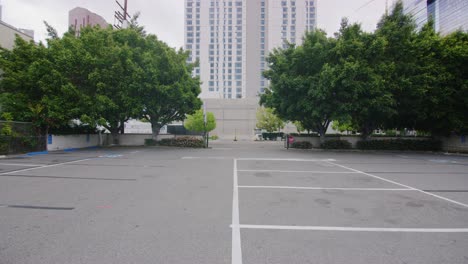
{"x": 364, "y": 5}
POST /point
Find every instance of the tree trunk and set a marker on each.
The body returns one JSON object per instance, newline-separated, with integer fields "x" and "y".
{"x": 366, "y": 131}
{"x": 115, "y": 135}
{"x": 155, "y": 129}
{"x": 322, "y": 138}
{"x": 322, "y": 130}
{"x": 122, "y": 127}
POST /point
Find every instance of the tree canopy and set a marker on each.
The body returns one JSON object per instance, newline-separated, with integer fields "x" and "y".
{"x": 196, "y": 122}
{"x": 266, "y": 119}
{"x": 102, "y": 77}
{"x": 396, "y": 77}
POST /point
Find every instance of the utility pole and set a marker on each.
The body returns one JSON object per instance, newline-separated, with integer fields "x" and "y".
{"x": 121, "y": 16}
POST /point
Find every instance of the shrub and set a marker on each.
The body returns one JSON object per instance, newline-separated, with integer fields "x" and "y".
{"x": 301, "y": 145}
{"x": 185, "y": 142}
{"x": 336, "y": 144}
{"x": 272, "y": 136}
{"x": 150, "y": 142}
{"x": 401, "y": 144}
{"x": 214, "y": 137}
{"x": 3, "y": 145}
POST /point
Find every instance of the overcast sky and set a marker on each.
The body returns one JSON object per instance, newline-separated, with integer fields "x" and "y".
{"x": 165, "y": 18}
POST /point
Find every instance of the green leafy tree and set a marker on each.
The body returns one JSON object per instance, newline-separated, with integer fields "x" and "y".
{"x": 398, "y": 30}
{"x": 297, "y": 91}
{"x": 354, "y": 72}
{"x": 299, "y": 127}
{"x": 441, "y": 81}
{"x": 266, "y": 119}
{"x": 33, "y": 87}
{"x": 196, "y": 122}
{"x": 168, "y": 91}
{"x": 343, "y": 126}
{"x": 114, "y": 75}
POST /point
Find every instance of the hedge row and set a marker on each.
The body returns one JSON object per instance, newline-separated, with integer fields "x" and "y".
{"x": 336, "y": 144}
{"x": 301, "y": 145}
{"x": 400, "y": 144}
{"x": 272, "y": 136}
{"x": 185, "y": 142}
{"x": 13, "y": 145}
{"x": 385, "y": 144}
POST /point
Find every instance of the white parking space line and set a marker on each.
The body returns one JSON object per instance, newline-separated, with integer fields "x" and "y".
{"x": 215, "y": 158}
{"x": 45, "y": 166}
{"x": 273, "y": 159}
{"x": 402, "y": 185}
{"x": 236, "y": 252}
{"x": 355, "y": 229}
{"x": 295, "y": 171}
{"x": 22, "y": 165}
{"x": 325, "y": 188}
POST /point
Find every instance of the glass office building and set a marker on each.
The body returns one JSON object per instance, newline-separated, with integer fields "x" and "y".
{"x": 448, "y": 15}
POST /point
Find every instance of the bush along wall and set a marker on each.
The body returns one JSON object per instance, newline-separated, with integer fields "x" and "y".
{"x": 185, "y": 142}
{"x": 336, "y": 144}
{"x": 301, "y": 145}
{"x": 400, "y": 144}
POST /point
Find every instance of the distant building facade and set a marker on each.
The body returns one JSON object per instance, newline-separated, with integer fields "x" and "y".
{"x": 8, "y": 35}
{"x": 232, "y": 38}
{"x": 448, "y": 15}
{"x": 79, "y": 18}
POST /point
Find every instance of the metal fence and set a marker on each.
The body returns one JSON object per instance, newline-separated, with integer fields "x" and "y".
{"x": 19, "y": 137}
{"x": 16, "y": 145}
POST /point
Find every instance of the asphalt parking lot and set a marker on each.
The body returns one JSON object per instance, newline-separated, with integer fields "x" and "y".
{"x": 239, "y": 202}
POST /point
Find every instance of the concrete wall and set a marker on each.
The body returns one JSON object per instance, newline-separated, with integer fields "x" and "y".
{"x": 455, "y": 144}
{"x": 60, "y": 142}
{"x": 233, "y": 117}
{"x": 450, "y": 144}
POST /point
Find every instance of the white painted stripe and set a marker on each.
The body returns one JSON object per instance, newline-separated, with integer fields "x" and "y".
{"x": 402, "y": 156}
{"x": 46, "y": 166}
{"x": 289, "y": 171}
{"x": 325, "y": 188}
{"x": 22, "y": 165}
{"x": 273, "y": 159}
{"x": 356, "y": 229}
{"x": 402, "y": 185}
{"x": 236, "y": 239}
{"x": 216, "y": 158}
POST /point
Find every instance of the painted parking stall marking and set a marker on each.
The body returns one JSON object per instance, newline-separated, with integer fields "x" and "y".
{"x": 261, "y": 169}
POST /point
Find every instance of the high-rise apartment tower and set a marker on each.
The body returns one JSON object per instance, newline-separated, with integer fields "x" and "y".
{"x": 232, "y": 38}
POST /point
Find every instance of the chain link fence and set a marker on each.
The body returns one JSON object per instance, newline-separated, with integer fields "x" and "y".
{"x": 18, "y": 137}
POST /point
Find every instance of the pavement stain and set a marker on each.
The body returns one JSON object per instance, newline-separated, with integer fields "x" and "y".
{"x": 391, "y": 221}
{"x": 262, "y": 174}
{"x": 350, "y": 211}
{"x": 414, "y": 204}
{"x": 322, "y": 201}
